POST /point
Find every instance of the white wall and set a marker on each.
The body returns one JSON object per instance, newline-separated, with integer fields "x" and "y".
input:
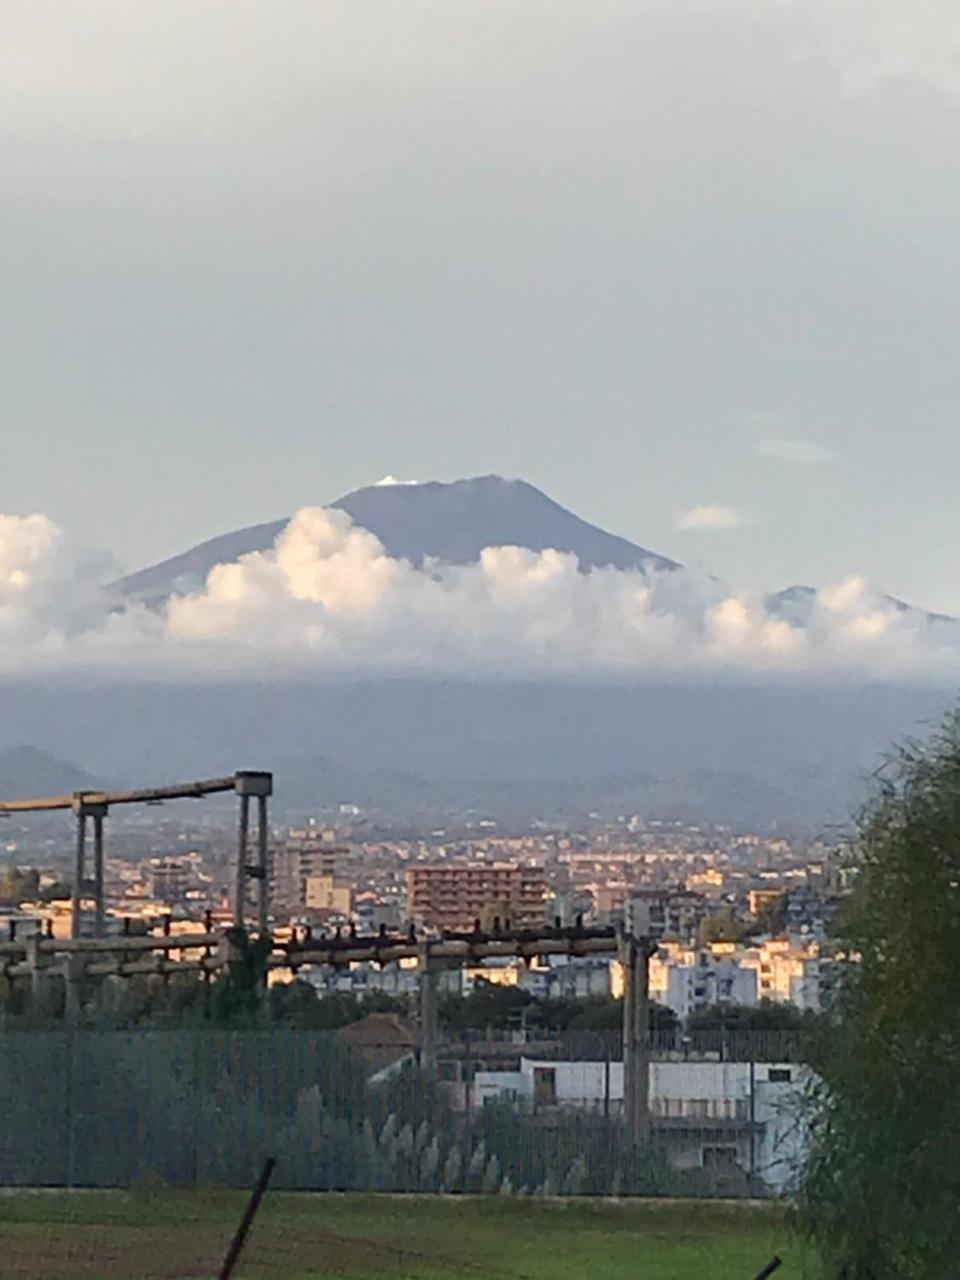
{"x": 699, "y": 1092}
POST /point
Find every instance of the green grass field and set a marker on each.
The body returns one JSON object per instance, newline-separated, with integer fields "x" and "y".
{"x": 165, "y": 1235}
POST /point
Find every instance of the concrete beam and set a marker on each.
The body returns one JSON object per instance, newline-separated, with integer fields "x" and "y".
{"x": 253, "y": 782}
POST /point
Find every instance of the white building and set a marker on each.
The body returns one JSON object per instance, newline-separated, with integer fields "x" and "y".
{"x": 786, "y": 972}
{"x": 739, "y": 1116}
{"x": 690, "y": 978}
{"x": 685, "y": 979}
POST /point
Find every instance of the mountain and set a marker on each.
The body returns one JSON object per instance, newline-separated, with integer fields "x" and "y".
{"x": 795, "y": 604}
{"x": 26, "y": 773}
{"x": 449, "y": 522}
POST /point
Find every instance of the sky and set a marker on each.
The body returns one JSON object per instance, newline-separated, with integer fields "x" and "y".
{"x": 690, "y": 267}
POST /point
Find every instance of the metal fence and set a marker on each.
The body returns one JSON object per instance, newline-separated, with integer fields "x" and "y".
{"x": 85, "y": 1108}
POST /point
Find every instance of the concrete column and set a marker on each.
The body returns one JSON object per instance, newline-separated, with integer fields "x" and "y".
{"x": 625, "y": 950}
{"x": 249, "y": 783}
{"x": 231, "y": 950}
{"x": 634, "y": 957}
{"x": 73, "y": 979}
{"x": 38, "y": 991}
{"x": 240, "y": 883}
{"x": 642, "y": 1033}
{"x": 79, "y": 868}
{"x": 263, "y": 897}
{"x": 98, "y": 892}
{"x": 428, "y": 1011}
{"x": 88, "y": 805}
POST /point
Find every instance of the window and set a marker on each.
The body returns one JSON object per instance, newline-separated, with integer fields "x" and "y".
{"x": 719, "y": 1157}
{"x": 545, "y": 1086}
{"x": 780, "y": 1075}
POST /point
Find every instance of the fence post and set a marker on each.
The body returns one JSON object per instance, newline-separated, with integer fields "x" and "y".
{"x": 753, "y": 1119}
{"x": 73, "y": 978}
{"x": 467, "y": 1105}
{"x": 428, "y": 1011}
{"x": 38, "y": 983}
{"x": 71, "y": 1112}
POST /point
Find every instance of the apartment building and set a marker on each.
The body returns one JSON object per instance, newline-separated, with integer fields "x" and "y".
{"x": 454, "y": 896}
{"x": 786, "y": 972}
{"x": 322, "y": 893}
{"x": 689, "y": 978}
{"x": 310, "y": 853}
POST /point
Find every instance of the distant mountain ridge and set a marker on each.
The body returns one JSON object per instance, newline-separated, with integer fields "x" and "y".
{"x": 26, "y": 773}
{"x": 794, "y": 605}
{"x": 453, "y": 523}
{"x": 449, "y": 522}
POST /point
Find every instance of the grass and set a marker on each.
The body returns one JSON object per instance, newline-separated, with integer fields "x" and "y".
{"x": 168, "y": 1235}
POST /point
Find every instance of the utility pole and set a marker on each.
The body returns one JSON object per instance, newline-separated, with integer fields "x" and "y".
{"x": 634, "y": 953}
{"x": 428, "y": 1011}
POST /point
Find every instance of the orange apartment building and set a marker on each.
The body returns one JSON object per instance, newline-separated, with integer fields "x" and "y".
{"x": 453, "y": 897}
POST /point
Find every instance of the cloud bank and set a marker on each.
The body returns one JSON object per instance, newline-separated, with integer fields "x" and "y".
{"x": 327, "y": 599}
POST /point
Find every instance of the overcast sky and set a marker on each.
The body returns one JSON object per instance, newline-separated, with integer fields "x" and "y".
{"x": 690, "y": 267}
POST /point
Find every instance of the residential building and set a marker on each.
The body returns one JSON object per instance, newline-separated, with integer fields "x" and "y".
{"x": 308, "y": 852}
{"x": 454, "y": 896}
{"x": 741, "y": 1121}
{"x": 322, "y": 893}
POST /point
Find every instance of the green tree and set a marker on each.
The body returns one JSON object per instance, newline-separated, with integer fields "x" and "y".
{"x": 18, "y": 884}
{"x": 772, "y": 917}
{"x": 489, "y": 1004}
{"x": 238, "y": 990}
{"x": 721, "y": 926}
{"x": 768, "y": 1015}
{"x": 298, "y": 1004}
{"x": 882, "y": 1183}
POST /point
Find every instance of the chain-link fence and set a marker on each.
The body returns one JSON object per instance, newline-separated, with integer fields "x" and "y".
{"x": 352, "y": 1110}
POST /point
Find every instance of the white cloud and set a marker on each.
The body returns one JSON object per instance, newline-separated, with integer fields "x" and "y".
{"x": 389, "y": 481}
{"x": 709, "y": 517}
{"x": 804, "y": 452}
{"x": 327, "y": 598}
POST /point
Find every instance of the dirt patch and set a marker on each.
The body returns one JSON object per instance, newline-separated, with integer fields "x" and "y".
{"x": 69, "y": 1253}
{"x": 78, "y": 1252}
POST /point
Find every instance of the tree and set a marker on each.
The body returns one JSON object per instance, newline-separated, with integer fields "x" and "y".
{"x": 19, "y": 885}
{"x": 238, "y": 989}
{"x": 882, "y": 1182}
{"x": 490, "y": 1004}
{"x": 768, "y": 1015}
{"x": 721, "y": 926}
{"x": 298, "y": 1004}
{"x": 772, "y": 916}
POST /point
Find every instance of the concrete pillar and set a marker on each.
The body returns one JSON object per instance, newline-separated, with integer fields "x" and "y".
{"x": 98, "y": 814}
{"x": 79, "y": 869}
{"x": 88, "y": 805}
{"x": 634, "y": 957}
{"x": 240, "y": 880}
{"x": 74, "y": 973}
{"x": 263, "y": 859}
{"x": 38, "y": 985}
{"x": 247, "y": 784}
{"x": 625, "y": 948}
{"x": 428, "y": 1011}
